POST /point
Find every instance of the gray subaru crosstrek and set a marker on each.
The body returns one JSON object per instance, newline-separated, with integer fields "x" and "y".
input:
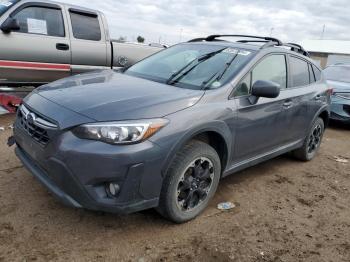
{"x": 162, "y": 133}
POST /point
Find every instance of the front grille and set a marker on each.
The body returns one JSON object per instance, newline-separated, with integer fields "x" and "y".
{"x": 35, "y": 126}
{"x": 347, "y": 109}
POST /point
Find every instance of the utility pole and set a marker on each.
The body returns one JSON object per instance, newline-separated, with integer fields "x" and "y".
{"x": 323, "y": 30}
{"x": 271, "y": 31}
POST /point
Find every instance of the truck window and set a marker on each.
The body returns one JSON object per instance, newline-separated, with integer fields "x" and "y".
{"x": 41, "y": 20}
{"x": 85, "y": 26}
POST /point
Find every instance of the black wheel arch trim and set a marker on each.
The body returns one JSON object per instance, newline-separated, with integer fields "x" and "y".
{"x": 319, "y": 113}
{"x": 218, "y": 127}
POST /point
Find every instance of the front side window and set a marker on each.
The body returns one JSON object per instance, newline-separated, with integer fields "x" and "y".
{"x": 85, "y": 26}
{"x": 193, "y": 66}
{"x": 273, "y": 68}
{"x": 41, "y": 20}
{"x": 299, "y": 72}
{"x": 6, "y": 4}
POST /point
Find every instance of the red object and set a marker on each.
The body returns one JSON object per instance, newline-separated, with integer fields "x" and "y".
{"x": 34, "y": 65}
{"x": 10, "y": 102}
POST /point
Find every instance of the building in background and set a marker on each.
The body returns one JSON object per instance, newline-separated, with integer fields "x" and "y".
{"x": 328, "y": 52}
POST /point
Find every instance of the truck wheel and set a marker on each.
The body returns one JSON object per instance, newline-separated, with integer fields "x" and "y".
{"x": 312, "y": 143}
{"x": 190, "y": 182}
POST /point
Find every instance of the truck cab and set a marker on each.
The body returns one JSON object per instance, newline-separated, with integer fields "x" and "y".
{"x": 42, "y": 41}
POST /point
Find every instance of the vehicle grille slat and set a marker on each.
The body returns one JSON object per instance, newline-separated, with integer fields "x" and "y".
{"x": 38, "y": 133}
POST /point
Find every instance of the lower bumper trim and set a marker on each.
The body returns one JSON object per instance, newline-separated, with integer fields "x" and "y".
{"x": 39, "y": 174}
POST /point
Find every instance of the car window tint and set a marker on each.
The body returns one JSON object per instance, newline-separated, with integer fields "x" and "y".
{"x": 311, "y": 75}
{"x": 243, "y": 87}
{"x": 41, "y": 20}
{"x": 85, "y": 26}
{"x": 299, "y": 72}
{"x": 273, "y": 68}
{"x": 317, "y": 72}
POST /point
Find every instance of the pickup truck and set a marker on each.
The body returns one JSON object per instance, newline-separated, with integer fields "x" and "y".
{"x": 42, "y": 41}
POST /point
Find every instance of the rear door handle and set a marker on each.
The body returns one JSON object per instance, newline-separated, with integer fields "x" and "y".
{"x": 61, "y": 46}
{"x": 288, "y": 104}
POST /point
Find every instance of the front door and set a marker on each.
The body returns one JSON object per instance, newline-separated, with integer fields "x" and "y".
{"x": 89, "y": 41}
{"x": 39, "y": 51}
{"x": 260, "y": 124}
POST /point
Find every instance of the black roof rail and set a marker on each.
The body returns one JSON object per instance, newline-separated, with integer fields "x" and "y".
{"x": 213, "y": 37}
{"x": 297, "y": 48}
{"x": 197, "y": 40}
{"x": 269, "y": 42}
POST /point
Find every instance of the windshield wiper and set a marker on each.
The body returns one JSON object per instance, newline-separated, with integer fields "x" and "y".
{"x": 183, "y": 72}
{"x": 219, "y": 74}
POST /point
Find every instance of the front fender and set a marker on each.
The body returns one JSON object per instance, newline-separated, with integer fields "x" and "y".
{"x": 219, "y": 127}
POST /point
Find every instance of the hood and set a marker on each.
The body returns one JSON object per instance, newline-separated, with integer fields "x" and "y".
{"x": 339, "y": 87}
{"x": 112, "y": 96}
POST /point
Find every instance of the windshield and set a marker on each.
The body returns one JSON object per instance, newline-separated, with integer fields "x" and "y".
{"x": 193, "y": 66}
{"x": 6, "y": 4}
{"x": 338, "y": 73}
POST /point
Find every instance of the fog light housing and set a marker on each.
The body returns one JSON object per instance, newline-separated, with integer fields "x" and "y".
{"x": 112, "y": 189}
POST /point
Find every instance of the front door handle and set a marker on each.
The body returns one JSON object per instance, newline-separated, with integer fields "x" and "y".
{"x": 61, "y": 46}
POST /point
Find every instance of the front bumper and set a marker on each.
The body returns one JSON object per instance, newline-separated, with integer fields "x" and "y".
{"x": 76, "y": 171}
{"x": 340, "y": 109}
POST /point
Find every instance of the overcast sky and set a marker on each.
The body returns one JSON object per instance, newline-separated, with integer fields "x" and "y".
{"x": 164, "y": 20}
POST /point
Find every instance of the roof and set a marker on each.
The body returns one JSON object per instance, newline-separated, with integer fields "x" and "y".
{"x": 327, "y": 46}
{"x": 251, "y": 47}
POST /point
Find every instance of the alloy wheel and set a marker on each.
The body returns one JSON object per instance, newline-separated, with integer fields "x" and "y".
{"x": 315, "y": 139}
{"x": 195, "y": 184}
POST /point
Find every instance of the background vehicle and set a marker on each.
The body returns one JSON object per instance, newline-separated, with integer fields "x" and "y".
{"x": 42, "y": 41}
{"x": 163, "y": 132}
{"x": 338, "y": 77}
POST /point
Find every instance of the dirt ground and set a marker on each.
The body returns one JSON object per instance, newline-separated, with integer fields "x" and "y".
{"x": 286, "y": 211}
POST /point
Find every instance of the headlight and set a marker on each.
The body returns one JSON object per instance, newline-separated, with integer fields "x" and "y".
{"x": 120, "y": 132}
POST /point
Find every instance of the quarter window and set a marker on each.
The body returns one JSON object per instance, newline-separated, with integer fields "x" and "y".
{"x": 311, "y": 75}
{"x": 299, "y": 72}
{"x": 243, "y": 88}
{"x": 85, "y": 26}
{"x": 317, "y": 72}
{"x": 273, "y": 68}
{"x": 41, "y": 20}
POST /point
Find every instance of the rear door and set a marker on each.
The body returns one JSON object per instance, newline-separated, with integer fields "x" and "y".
{"x": 300, "y": 91}
{"x": 88, "y": 41}
{"x": 260, "y": 126}
{"x": 39, "y": 52}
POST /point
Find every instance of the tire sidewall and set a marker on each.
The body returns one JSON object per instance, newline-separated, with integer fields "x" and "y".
{"x": 311, "y": 155}
{"x": 176, "y": 174}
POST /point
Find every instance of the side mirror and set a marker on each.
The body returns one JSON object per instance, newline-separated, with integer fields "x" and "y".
{"x": 10, "y": 24}
{"x": 266, "y": 89}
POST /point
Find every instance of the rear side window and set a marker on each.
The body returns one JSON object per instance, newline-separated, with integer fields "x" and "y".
{"x": 299, "y": 72}
{"x": 273, "y": 68}
{"x": 85, "y": 26}
{"x": 317, "y": 72}
{"x": 41, "y": 20}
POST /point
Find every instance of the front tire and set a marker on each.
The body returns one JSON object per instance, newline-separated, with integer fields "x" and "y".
{"x": 312, "y": 142}
{"x": 190, "y": 182}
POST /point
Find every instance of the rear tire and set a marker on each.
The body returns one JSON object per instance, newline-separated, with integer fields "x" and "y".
{"x": 190, "y": 182}
{"x": 312, "y": 142}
